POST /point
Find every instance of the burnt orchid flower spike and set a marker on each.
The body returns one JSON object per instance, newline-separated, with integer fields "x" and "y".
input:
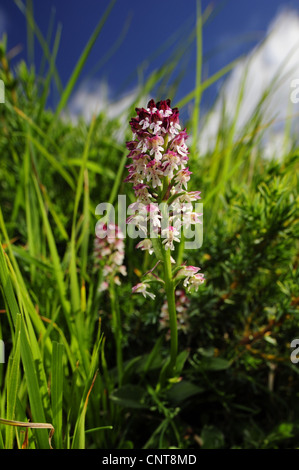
{"x": 160, "y": 175}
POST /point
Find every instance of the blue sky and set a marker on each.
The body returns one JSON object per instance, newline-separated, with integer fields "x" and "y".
{"x": 139, "y": 29}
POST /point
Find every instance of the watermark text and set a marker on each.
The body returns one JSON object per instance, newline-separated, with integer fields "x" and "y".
{"x": 2, "y": 92}
{"x": 140, "y": 220}
{"x": 295, "y": 353}
{"x": 2, "y": 352}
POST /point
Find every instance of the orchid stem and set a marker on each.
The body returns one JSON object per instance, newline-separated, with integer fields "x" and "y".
{"x": 170, "y": 294}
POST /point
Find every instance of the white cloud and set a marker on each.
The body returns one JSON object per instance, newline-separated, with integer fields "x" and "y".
{"x": 93, "y": 97}
{"x": 278, "y": 55}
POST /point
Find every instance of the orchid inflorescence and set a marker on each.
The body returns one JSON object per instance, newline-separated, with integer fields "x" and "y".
{"x": 159, "y": 174}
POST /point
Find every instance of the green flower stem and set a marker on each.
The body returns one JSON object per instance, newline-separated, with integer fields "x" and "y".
{"x": 158, "y": 249}
{"x": 117, "y": 331}
{"x": 165, "y": 256}
{"x": 170, "y": 294}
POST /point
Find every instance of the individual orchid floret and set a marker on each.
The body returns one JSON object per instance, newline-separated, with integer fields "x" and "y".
{"x": 185, "y": 272}
{"x": 109, "y": 252}
{"x": 195, "y": 281}
{"x": 155, "y": 126}
{"x": 142, "y": 193}
{"x": 145, "y": 123}
{"x": 192, "y": 279}
{"x": 154, "y": 173}
{"x": 141, "y": 288}
{"x": 178, "y": 145}
{"x": 103, "y": 286}
{"x": 110, "y": 232}
{"x": 170, "y": 235}
{"x": 139, "y": 218}
{"x": 191, "y": 218}
{"x": 174, "y": 128}
{"x": 154, "y": 215}
{"x": 170, "y": 164}
{"x": 182, "y": 178}
{"x": 156, "y": 146}
{"x": 190, "y": 196}
{"x": 146, "y": 245}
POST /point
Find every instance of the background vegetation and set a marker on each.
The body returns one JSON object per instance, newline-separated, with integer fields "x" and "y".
{"x": 238, "y": 388}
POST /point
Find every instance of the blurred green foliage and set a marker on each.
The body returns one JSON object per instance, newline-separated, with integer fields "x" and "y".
{"x": 238, "y": 388}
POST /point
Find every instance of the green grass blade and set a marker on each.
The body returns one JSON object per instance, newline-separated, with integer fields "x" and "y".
{"x": 52, "y": 160}
{"x": 198, "y": 87}
{"x": 43, "y": 99}
{"x": 6, "y": 285}
{"x": 30, "y": 32}
{"x": 94, "y": 167}
{"x": 20, "y": 286}
{"x": 30, "y": 371}
{"x": 75, "y": 289}
{"x": 57, "y": 391}
{"x": 50, "y": 29}
{"x": 207, "y": 83}
{"x": 46, "y": 136}
{"x": 74, "y": 281}
{"x": 12, "y": 382}
{"x": 41, "y": 39}
{"x": 52, "y": 245}
{"x": 59, "y": 274}
{"x": 31, "y": 212}
{"x": 79, "y": 433}
{"x": 85, "y": 229}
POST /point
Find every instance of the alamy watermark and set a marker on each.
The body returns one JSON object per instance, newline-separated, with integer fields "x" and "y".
{"x": 2, "y": 92}
{"x": 2, "y": 352}
{"x": 294, "y": 96}
{"x": 152, "y": 220}
{"x": 295, "y": 353}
